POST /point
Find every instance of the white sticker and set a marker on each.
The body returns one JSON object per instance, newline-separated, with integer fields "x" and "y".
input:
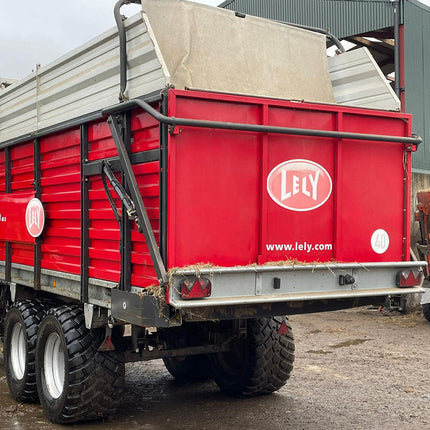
{"x": 380, "y": 241}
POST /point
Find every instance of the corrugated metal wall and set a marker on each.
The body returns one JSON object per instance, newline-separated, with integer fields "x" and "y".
{"x": 417, "y": 74}
{"x": 350, "y": 17}
{"x": 340, "y": 17}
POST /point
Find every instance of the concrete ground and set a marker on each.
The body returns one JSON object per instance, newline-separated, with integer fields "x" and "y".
{"x": 354, "y": 369}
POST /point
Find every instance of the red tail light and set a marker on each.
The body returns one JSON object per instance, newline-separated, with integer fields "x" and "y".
{"x": 196, "y": 288}
{"x": 409, "y": 278}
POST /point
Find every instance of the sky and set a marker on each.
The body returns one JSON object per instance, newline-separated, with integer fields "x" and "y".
{"x": 39, "y": 31}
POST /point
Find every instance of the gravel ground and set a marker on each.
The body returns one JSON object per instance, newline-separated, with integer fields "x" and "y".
{"x": 354, "y": 369}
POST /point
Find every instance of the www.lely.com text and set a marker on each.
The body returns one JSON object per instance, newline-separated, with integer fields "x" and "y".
{"x": 299, "y": 246}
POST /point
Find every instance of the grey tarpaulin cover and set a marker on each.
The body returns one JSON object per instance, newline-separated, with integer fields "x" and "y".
{"x": 210, "y": 48}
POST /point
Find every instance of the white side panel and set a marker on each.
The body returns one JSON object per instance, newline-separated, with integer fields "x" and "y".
{"x": 358, "y": 81}
{"x": 18, "y": 114}
{"x": 180, "y": 43}
{"x": 83, "y": 81}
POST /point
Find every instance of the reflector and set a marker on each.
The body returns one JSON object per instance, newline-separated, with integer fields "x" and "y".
{"x": 106, "y": 345}
{"x": 196, "y": 288}
{"x": 283, "y": 330}
{"x": 409, "y": 278}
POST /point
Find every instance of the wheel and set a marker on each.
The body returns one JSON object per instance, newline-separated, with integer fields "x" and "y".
{"x": 426, "y": 311}
{"x": 20, "y": 335}
{"x": 76, "y": 382}
{"x": 258, "y": 364}
{"x": 190, "y": 368}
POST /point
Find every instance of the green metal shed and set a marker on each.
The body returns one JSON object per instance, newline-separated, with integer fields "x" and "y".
{"x": 371, "y": 23}
{"x": 342, "y": 18}
{"x": 416, "y": 20}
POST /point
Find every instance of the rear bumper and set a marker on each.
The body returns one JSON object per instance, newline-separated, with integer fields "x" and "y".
{"x": 268, "y": 284}
{"x": 425, "y": 299}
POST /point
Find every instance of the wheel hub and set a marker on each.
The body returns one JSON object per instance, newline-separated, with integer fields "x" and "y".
{"x": 53, "y": 364}
{"x": 18, "y": 351}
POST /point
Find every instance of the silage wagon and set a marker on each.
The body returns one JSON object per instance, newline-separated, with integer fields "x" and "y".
{"x": 225, "y": 191}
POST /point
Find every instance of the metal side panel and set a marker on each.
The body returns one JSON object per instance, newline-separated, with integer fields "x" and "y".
{"x": 18, "y": 113}
{"x": 272, "y": 284}
{"x": 358, "y": 81}
{"x": 142, "y": 310}
{"x": 81, "y": 82}
{"x": 62, "y": 284}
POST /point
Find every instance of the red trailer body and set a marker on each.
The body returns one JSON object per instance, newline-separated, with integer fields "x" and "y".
{"x": 234, "y": 198}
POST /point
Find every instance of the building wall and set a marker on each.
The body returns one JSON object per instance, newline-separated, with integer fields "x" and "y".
{"x": 342, "y": 18}
{"x": 351, "y": 17}
{"x": 417, "y": 77}
{"x": 416, "y": 18}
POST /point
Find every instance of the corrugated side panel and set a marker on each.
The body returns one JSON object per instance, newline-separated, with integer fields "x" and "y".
{"x": 83, "y": 81}
{"x": 145, "y": 137}
{"x": 22, "y": 178}
{"x": 61, "y": 196}
{"x": 358, "y": 81}
{"x": 18, "y": 114}
{"x": 104, "y": 231}
{"x": 60, "y": 182}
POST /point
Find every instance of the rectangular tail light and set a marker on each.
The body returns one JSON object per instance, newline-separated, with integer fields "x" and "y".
{"x": 409, "y": 278}
{"x": 196, "y": 288}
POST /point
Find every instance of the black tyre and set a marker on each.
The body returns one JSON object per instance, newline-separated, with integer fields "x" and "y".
{"x": 21, "y": 328}
{"x": 191, "y": 368}
{"x": 259, "y": 364}
{"x": 75, "y": 381}
{"x": 426, "y": 311}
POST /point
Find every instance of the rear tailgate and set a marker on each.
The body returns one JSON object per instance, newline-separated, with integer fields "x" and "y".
{"x": 240, "y": 198}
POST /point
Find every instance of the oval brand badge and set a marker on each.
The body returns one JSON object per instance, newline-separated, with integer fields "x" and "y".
{"x": 35, "y": 217}
{"x": 299, "y": 185}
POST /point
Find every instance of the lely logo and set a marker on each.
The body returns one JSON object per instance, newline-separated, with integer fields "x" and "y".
{"x": 299, "y": 185}
{"x": 35, "y": 217}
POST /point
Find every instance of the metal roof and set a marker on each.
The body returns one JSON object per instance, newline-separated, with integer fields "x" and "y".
{"x": 340, "y": 17}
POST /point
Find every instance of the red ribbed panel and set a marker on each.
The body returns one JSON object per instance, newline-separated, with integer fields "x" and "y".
{"x": 2, "y": 190}
{"x": 145, "y": 132}
{"x": 60, "y": 183}
{"x": 104, "y": 231}
{"x": 22, "y": 180}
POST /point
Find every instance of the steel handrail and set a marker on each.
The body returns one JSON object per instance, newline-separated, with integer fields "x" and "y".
{"x": 173, "y": 122}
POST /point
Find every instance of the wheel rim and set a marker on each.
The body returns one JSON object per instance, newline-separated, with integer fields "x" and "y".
{"x": 53, "y": 364}
{"x": 18, "y": 351}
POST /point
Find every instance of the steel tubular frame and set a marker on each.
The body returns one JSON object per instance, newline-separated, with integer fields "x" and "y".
{"x": 173, "y": 122}
{"x": 84, "y": 216}
{"x": 138, "y": 202}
